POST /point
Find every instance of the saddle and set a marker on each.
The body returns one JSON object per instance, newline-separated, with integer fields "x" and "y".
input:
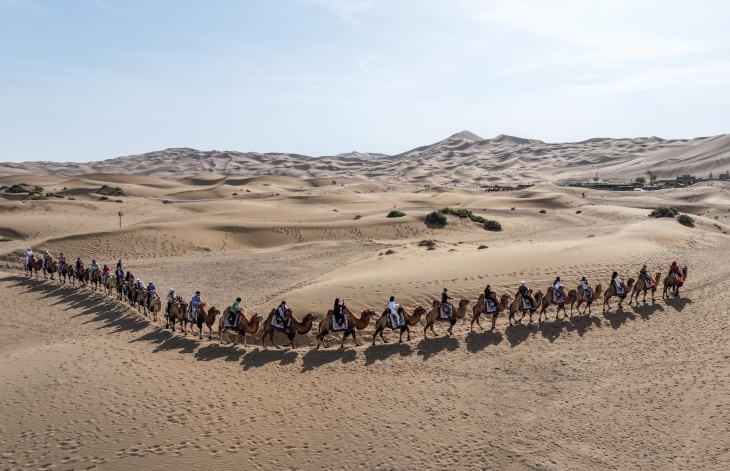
{"x": 527, "y": 304}
{"x": 558, "y": 296}
{"x": 446, "y": 312}
{"x": 395, "y": 321}
{"x": 232, "y": 321}
{"x": 588, "y": 295}
{"x": 337, "y": 326}
{"x": 490, "y": 306}
{"x": 620, "y": 289}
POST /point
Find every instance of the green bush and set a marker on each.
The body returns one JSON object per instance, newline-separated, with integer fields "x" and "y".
{"x": 641, "y": 180}
{"x": 72, "y": 199}
{"x": 38, "y": 196}
{"x": 436, "y": 217}
{"x": 396, "y": 214}
{"x": 356, "y": 217}
{"x": 686, "y": 220}
{"x": 104, "y": 187}
{"x": 104, "y": 198}
{"x": 22, "y": 188}
{"x": 664, "y": 212}
{"x": 118, "y": 201}
{"x": 578, "y": 212}
{"x": 119, "y": 191}
{"x": 512, "y": 209}
{"x": 492, "y": 226}
{"x": 542, "y": 211}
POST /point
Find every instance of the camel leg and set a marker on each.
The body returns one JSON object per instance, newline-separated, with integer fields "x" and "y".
{"x": 220, "y": 335}
{"x": 382, "y": 337}
{"x": 271, "y": 337}
{"x": 494, "y": 322}
{"x": 408, "y": 332}
{"x": 210, "y": 333}
{"x": 400, "y": 338}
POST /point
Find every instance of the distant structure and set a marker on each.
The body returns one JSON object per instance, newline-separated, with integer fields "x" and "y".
{"x": 687, "y": 180}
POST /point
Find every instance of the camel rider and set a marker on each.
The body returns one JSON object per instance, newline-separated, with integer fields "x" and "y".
{"x": 46, "y": 258}
{"x": 170, "y": 300}
{"x": 151, "y": 293}
{"x": 61, "y": 261}
{"x": 674, "y": 270}
{"x": 645, "y": 277}
{"x": 94, "y": 267}
{"x": 119, "y": 274}
{"x": 445, "y": 298}
{"x": 524, "y": 291}
{"x": 28, "y": 256}
{"x": 235, "y": 309}
{"x": 393, "y": 308}
{"x": 129, "y": 277}
{"x": 139, "y": 284}
{"x": 119, "y": 266}
{"x": 79, "y": 266}
{"x": 281, "y": 314}
{"x": 583, "y": 284}
{"x": 194, "y": 303}
{"x": 337, "y": 310}
{"x": 491, "y": 295}
{"x": 105, "y": 272}
{"x": 558, "y": 290}
{"x": 616, "y": 280}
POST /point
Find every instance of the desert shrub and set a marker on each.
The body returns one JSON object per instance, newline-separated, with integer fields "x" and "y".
{"x": 59, "y": 196}
{"x": 356, "y": 217}
{"x": 235, "y": 194}
{"x": 686, "y": 220}
{"x": 641, "y": 180}
{"x": 104, "y": 187}
{"x": 72, "y": 199}
{"x": 5, "y": 239}
{"x": 4, "y": 187}
{"x": 389, "y": 252}
{"x": 512, "y": 209}
{"x": 436, "y": 218}
{"x": 104, "y": 198}
{"x": 38, "y": 196}
{"x": 482, "y": 247}
{"x": 21, "y": 188}
{"x": 118, "y": 201}
{"x": 664, "y": 212}
{"x": 427, "y": 243}
{"x": 396, "y": 214}
{"x": 492, "y": 226}
{"x": 578, "y": 212}
{"x": 119, "y": 191}
{"x": 542, "y": 211}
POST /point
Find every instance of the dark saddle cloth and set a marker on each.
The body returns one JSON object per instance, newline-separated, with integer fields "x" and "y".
{"x": 491, "y": 306}
{"x": 395, "y": 321}
{"x": 339, "y": 326}
{"x": 446, "y": 312}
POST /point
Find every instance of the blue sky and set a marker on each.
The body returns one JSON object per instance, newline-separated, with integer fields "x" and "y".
{"x": 85, "y": 80}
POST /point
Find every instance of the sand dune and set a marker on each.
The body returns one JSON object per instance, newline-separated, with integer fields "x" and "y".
{"x": 463, "y": 158}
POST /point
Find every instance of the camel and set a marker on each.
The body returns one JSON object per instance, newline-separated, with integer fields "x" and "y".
{"x": 411, "y": 320}
{"x": 83, "y": 276}
{"x": 109, "y": 285}
{"x": 546, "y": 301}
{"x": 640, "y": 286}
{"x": 296, "y": 326}
{"x": 432, "y": 316}
{"x": 156, "y": 306}
{"x": 51, "y": 268}
{"x": 206, "y": 317}
{"x": 177, "y": 313}
{"x": 140, "y": 299}
{"x": 95, "y": 278}
{"x": 576, "y": 300}
{"x": 479, "y": 309}
{"x": 34, "y": 264}
{"x": 671, "y": 282}
{"x": 120, "y": 288}
{"x": 354, "y": 324}
{"x": 246, "y": 326}
{"x": 516, "y": 306}
{"x": 65, "y": 271}
{"x": 611, "y": 292}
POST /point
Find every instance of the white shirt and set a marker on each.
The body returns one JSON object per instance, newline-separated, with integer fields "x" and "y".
{"x": 170, "y": 297}
{"x": 558, "y": 285}
{"x": 392, "y": 307}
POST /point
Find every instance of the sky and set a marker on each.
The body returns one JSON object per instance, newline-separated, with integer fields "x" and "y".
{"x": 84, "y": 80}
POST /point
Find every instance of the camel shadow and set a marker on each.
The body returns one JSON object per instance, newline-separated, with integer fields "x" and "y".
{"x": 316, "y": 358}
{"x": 258, "y": 358}
{"x": 618, "y": 317}
{"x": 430, "y": 347}
{"x": 646, "y": 310}
{"x": 516, "y": 334}
{"x": 551, "y": 330}
{"x": 382, "y": 352}
{"x": 678, "y": 303}
{"x": 581, "y": 324}
{"x": 476, "y": 342}
{"x": 217, "y": 351}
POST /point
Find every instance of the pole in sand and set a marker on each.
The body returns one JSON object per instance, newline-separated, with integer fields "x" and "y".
{"x": 120, "y": 218}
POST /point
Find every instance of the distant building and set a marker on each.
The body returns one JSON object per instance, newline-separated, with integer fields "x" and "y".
{"x": 724, "y": 176}
{"x": 686, "y": 180}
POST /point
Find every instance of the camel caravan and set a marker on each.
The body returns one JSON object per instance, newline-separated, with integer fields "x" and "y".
{"x": 234, "y": 324}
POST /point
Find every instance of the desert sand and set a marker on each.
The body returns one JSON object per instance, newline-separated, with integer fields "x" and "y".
{"x": 88, "y": 383}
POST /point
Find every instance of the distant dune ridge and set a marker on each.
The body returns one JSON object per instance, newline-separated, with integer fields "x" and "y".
{"x": 463, "y": 158}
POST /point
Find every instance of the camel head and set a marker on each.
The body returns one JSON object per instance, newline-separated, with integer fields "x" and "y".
{"x": 436, "y": 303}
{"x": 684, "y": 272}
{"x": 419, "y": 311}
{"x": 368, "y": 313}
{"x": 213, "y": 311}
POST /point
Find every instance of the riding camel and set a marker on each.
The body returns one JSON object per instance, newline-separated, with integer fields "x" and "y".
{"x": 574, "y": 299}
{"x": 296, "y": 327}
{"x": 545, "y": 301}
{"x": 246, "y": 326}
{"x": 109, "y": 285}
{"x": 457, "y": 313}
{"x": 120, "y": 284}
{"x": 83, "y": 276}
{"x": 34, "y": 264}
{"x": 516, "y": 306}
{"x": 205, "y": 317}
{"x": 51, "y": 268}
{"x": 479, "y": 309}
{"x": 177, "y": 313}
{"x": 411, "y": 320}
{"x": 140, "y": 299}
{"x": 156, "y": 307}
{"x": 66, "y": 271}
{"x": 641, "y": 287}
{"x": 611, "y": 292}
{"x": 354, "y": 324}
{"x": 671, "y": 282}
{"x": 95, "y": 278}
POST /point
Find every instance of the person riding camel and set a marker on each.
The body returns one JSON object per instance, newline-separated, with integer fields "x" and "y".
{"x": 79, "y": 266}
{"x": 105, "y": 272}
{"x": 393, "y": 308}
{"x": 94, "y": 267}
{"x": 151, "y": 293}
{"x": 233, "y": 311}
{"x": 646, "y": 278}
{"x": 47, "y": 257}
{"x": 584, "y": 286}
{"x": 129, "y": 277}
{"x": 676, "y": 271}
{"x": 558, "y": 292}
{"x": 524, "y": 291}
{"x": 61, "y": 261}
{"x": 491, "y": 297}
{"x": 170, "y": 300}
{"x": 616, "y": 280}
{"x": 28, "y": 256}
{"x": 119, "y": 265}
{"x": 283, "y": 317}
{"x": 194, "y": 303}
{"x": 119, "y": 274}
{"x": 139, "y": 284}
{"x": 337, "y": 310}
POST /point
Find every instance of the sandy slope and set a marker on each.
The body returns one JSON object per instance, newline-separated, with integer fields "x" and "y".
{"x": 89, "y": 383}
{"x": 463, "y": 158}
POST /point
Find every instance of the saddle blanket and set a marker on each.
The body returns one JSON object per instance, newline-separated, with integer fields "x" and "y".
{"x": 277, "y": 324}
{"x": 588, "y": 295}
{"x": 228, "y": 325}
{"x": 490, "y": 306}
{"x": 527, "y": 304}
{"x": 192, "y": 316}
{"x": 396, "y": 321}
{"x": 558, "y": 296}
{"x": 337, "y": 326}
{"x": 620, "y": 289}
{"x": 648, "y": 281}
{"x": 446, "y": 312}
